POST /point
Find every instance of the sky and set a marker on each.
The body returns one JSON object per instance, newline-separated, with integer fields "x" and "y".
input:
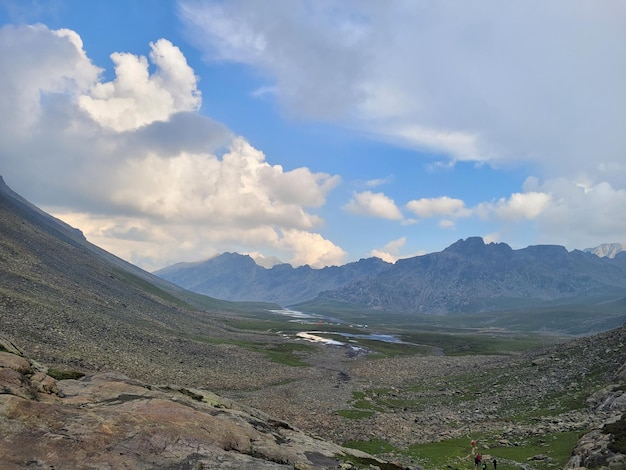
{"x": 317, "y": 132}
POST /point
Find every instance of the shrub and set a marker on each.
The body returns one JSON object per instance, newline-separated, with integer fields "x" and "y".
{"x": 65, "y": 374}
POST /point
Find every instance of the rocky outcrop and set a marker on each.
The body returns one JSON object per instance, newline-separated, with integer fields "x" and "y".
{"x": 111, "y": 421}
{"x": 595, "y": 449}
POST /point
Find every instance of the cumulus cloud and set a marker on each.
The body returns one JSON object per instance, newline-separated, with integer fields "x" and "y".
{"x": 580, "y": 215}
{"x": 463, "y": 79}
{"x": 390, "y": 252}
{"x": 372, "y": 204}
{"x": 136, "y": 98}
{"x": 238, "y": 188}
{"x": 528, "y": 205}
{"x": 35, "y": 63}
{"x": 441, "y": 206}
{"x": 131, "y": 163}
{"x": 575, "y": 214}
{"x": 312, "y": 249}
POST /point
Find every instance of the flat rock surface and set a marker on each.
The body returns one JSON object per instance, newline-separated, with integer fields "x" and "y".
{"x": 111, "y": 421}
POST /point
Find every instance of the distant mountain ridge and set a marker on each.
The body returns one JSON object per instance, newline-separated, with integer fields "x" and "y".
{"x": 471, "y": 276}
{"x": 231, "y": 276}
{"x": 468, "y": 276}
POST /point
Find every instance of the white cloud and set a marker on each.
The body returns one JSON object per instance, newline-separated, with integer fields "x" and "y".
{"x": 391, "y": 251}
{"x": 298, "y": 46}
{"x": 560, "y": 211}
{"x": 372, "y": 204}
{"x": 34, "y": 64}
{"x": 131, "y": 163}
{"x": 239, "y": 188}
{"x": 379, "y": 182}
{"x": 457, "y": 145}
{"x": 528, "y": 205}
{"x": 441, "y": 206}
{"x": 486, "y": 81}
{"x": 447, "y": 224}
{"x": 312, "y": 249}
{"x": 582, "y": 217}
{"x": 136, "y": 97}
{"x": 491, "y": 238}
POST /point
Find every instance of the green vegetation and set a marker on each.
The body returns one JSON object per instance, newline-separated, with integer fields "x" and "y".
{"x": 287, "y": 353}
{"x": 451, "y": 452}
{"x": 557, "y": 447}
{"x": 373, "y": 447}
{"x": 290, "y": 354}
{"x": 366, "y": 405}
{"x": 583, "y": 316}
{"x": 546, "y": 452}
{"x": 65, "y": 374}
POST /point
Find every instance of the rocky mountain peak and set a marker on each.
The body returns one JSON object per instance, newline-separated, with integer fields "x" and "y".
{"x": 476, "y": 245}
{"x": 608, "y": 250}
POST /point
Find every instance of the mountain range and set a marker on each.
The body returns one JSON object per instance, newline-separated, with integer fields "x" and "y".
{"x": 469, "y": 276}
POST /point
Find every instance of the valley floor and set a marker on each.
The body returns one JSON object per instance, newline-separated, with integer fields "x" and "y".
{"x": 400, "y": 402}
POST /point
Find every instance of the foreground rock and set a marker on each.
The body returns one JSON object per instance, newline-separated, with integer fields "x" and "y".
{"x": 111, "y": 421}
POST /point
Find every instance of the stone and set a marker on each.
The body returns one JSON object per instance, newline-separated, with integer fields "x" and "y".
{"x": 111, "y": 421}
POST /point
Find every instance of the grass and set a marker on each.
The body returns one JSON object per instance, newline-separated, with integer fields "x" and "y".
{"x": 367, "y": 405}
{"x": 456, "y": 453}
{"x": 373, "y": 447}
{"x": 483, "y": 343}
{"x": 289, "y": 354}
{"x": 583, "y": 316}
{"x": 445, "y": 454}
{"x": 557, "y": 447}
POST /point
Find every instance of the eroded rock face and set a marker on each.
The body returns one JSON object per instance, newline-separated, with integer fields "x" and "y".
{"x": 111, "y": 421}
{"x": 593, "y": 449}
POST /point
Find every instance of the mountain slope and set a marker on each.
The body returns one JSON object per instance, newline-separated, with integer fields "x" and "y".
{"x": 73, "y": 304}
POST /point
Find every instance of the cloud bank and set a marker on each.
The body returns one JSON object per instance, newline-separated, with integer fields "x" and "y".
{"x": 132, "y": 163}
{"x": 517, "y": 83}
{"x": 485, "y": 81}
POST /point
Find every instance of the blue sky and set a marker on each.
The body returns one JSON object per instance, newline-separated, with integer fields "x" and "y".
{"x": 316, "y": 132}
